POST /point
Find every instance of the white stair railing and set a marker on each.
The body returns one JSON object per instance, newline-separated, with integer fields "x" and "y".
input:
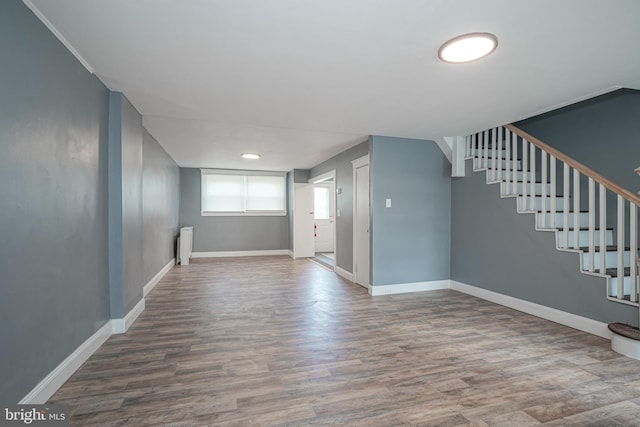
{"x": 496, "y": 151}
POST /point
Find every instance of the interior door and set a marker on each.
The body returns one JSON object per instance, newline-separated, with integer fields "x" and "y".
{"x": 323, "y": 217}
{"x": 362, "y": 242}
{"x": 303, "y": 240}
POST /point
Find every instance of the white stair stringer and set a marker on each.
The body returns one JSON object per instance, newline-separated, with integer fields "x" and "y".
{"x": 501, "y": 177}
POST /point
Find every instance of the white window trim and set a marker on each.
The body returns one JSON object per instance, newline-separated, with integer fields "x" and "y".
{"x": 204, "y": 172}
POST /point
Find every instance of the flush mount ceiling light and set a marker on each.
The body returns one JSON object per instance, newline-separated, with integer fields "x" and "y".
{"x": 468, "y": 47}
{"x": 251, "y": 156}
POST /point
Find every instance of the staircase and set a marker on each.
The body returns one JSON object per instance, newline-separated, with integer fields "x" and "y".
{"x": 590, "y": 215}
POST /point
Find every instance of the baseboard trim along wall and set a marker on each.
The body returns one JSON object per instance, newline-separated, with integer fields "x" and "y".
{"x": 580, "y": 323}
{"x": 154, "y": 281}
{"x": 402, "y": 288}
{"x": 291, "y": 255}
{"x": 343, "y": 273}
{"x": 224, "y": 254}
{"x": 61, "y": 373}
{"x": 52, "y": 382}
{"x": 122, "y": 325}
{"x": 571, "y": 320}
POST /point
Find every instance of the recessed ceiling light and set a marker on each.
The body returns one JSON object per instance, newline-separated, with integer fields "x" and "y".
{"x": 251, "y": 156}
{"x": 468, "y": 47}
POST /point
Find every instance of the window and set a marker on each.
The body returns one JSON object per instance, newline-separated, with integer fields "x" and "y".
{"x": 320, "y": 203}
{"x": 240, "y": 193}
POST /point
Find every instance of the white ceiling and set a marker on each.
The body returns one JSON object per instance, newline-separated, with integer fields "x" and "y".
{"x": 301, "y": 80}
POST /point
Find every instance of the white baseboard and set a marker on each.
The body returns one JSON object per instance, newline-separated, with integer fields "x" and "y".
{"x": 122, "y": 325}
{"x": 291, "y": 254}
{"x": 568, "y": 319}
{"x": 402, "y": 288}
{"x": 52, "y": 382}
{"x": 343, "y": 273}
{"x": 224, "y": 254}
{"x": 154, "y": 281}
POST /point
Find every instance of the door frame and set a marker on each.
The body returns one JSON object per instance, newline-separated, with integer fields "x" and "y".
{"x": 330, "y": 176}
{"x": 356, "y": 164}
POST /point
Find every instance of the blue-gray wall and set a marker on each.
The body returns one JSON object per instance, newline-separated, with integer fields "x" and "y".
{"x": 53, "y": 215}
{"x": 227, "y": 233}
{"x": 410, "y": 242}
{"x": 160, "y": 206}
{"x": 144, "y": 200}
{"x": 125, "y": 205}
{"x": 344, "y": 201}
{"x": 494, "y": 248}
{"x": 603, "y": 133}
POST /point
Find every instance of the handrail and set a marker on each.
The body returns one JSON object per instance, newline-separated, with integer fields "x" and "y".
{"x": 628, "y": 195}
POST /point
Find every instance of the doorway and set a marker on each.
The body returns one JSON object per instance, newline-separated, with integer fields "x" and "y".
{"x": 324, "y": 229}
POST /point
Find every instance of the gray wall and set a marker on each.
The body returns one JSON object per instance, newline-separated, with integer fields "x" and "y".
{"x": 603, "y": 133}
{"x": 227, "y": 233}
{"x": 53, "y": 215}
{"x": 160, "y": 206}
{"x": 125, "y": 206}
{"x": 144, "y": 188}
{"x": 344, "y": 201}
{"x": 495, "y": 248}
{"x": 131, "y": 205}
{"x": 410, "y": 240}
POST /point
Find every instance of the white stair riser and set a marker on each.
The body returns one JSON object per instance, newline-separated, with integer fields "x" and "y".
{"x": 613, "y": 286}
{"x": 583, "y": 219}
{"x": 502, "y": 164}
{"x": 538, "y": 203}
{"x": 583, "y": 237}
{"x": 501, "y": 154}
{"x": 519, "y": 187}
{"x": 610, "y": 260}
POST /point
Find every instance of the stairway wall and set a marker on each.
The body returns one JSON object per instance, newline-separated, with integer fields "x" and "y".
{"x": 495, "y": 248}
{"x": 603, "y": 133}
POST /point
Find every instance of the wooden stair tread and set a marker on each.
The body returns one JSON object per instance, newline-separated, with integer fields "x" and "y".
{"x": 583, "y": 229}
{"x": 613, "y": 272}
{"x": 625, "y": 330}
{"x": 608, "y": 248}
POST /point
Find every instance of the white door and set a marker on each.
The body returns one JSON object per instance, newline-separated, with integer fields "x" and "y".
{"x": 361, "y": 229}
{"x": 303, "y": 241}
{"x": 323, "y": 216}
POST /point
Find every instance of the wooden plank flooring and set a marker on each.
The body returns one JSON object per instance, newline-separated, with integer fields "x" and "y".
{"x": 274, "y": 341}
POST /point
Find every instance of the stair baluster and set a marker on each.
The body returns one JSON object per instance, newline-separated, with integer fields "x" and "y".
{"x": 603, "y": 227}
{"x": 497, "y": 152}
{"x": 592, "y": 225}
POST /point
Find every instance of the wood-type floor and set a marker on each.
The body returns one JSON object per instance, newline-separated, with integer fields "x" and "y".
{"x": 273, "y": 341}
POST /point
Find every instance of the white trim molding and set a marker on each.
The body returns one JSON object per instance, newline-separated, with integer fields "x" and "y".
{"x": 122, "y": 325}
{"x": 154, "y": 281}
{"x": 580, "y": 323}
{"x": 58, "y": 35}
{"x": 291, "y": 254}
{"x": 343, "y": 273}
{"x": 52, "y": 382}
{"x": 226, "y": 254}
{"x": 402, "y": 288}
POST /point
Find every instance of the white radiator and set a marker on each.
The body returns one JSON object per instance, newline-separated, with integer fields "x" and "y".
{"x": 185, "y": 245}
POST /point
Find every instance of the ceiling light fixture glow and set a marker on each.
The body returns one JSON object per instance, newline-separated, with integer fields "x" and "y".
{"x": 468, "y": 47}
{"x": 250, "y": 156}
